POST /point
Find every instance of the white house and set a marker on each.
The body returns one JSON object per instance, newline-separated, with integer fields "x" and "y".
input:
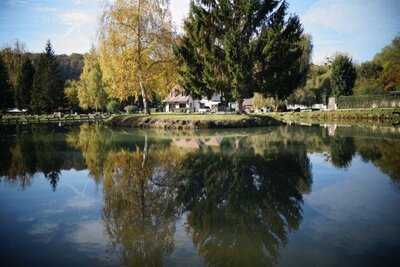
{"x": 178, "y": 101}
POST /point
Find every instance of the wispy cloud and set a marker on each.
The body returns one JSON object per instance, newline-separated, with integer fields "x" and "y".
{"x": 356, "y": 27}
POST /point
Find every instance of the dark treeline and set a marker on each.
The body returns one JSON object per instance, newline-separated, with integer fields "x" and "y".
{"x": 35, "y": 81}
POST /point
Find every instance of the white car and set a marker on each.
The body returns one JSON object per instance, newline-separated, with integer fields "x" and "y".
{"x": 205, "y": 110}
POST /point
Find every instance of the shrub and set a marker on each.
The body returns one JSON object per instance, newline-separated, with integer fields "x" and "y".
{"x": 368, "y": 101}
{"x": 113, "y": 106}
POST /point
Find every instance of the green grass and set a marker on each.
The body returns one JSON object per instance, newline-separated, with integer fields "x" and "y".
{"x": 192, "y": 117}
{"x": 351, "y": 116}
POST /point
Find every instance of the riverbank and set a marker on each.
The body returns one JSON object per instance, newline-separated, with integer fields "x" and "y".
{"x": 191, "y": 121}
{"x": 355, "y": 116}
{"x": 46, "y": 119}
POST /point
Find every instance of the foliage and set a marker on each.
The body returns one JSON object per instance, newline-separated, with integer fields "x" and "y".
{"x": 136, "y": 49}
{"x": 5, "y": 88}
{"x": 259, "y": 101}
{"x": 24, "y": 85}
{"x": 70, "y": 66}
{"x": 302, "y": 96}
{"x": 236, "y": 48}
{"x": 48, "y": 87}
{"x": 368, "y": 101}
{"x": 113, "y": 106}
{"x": 71, "y": 90}
{"x": 91, "y": 87}
{"x": 389, "y": 59}
{"x": 343, "y": 75}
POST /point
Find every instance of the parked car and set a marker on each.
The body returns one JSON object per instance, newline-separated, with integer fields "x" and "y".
{"x": 205, "y": 110}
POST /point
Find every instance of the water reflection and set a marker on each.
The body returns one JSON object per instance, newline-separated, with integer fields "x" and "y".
{"x": 241, "y": 204}
{"x": 242, "y": 191}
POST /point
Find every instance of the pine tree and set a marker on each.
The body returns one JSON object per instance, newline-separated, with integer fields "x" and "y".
{"x": 238, "y": 47}
{"x": 24, "y": 84}
{"x": 48, "y": 87}
{"x": 343, "y": 75}
{"x": 6, "y": 98}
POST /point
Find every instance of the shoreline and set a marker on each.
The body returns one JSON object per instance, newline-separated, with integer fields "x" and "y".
{"x": 189, "y": 121}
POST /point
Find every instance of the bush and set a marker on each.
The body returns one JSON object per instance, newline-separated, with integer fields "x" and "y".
{"x": 368, "y": 101}
{"x": 130, "y": 109}
{"x": 113, "y": 106}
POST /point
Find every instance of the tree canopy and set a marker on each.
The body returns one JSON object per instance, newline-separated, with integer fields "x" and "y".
{"x": 237, "y": 48}
{"x": 136, "y": 48}
{"x": 343, "y": 75}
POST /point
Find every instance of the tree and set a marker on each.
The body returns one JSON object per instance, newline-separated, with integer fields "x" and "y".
{"x": 343, "y": 75}
{"x": 368, "y": 79}
{"x": 48, "y": 87}
{"x": 5, "y": 88}
{"x": 240, "y": 47}
{"x": 71, "y": 93}
{"x": 92, "y": 89}
{"x": 136, "y": 49}
{"x": 389, "y": 59}
{"x": 24, "y": 84}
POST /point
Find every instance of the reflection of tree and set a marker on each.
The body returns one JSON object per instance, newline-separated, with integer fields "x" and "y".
{"x": 91, "y": 140}
{"x": 32, "y": 150}
{"x": 342, "y": 151}
{"x": 139, "y": 212}
{"x": 242, "y": 205}
{"x": 385, "y": 154}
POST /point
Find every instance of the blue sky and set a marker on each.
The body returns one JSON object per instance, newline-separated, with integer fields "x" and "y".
{"x": 358, "y": 27}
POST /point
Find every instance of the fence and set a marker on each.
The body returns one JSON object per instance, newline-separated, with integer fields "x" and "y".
{"x": 371, "y": 101}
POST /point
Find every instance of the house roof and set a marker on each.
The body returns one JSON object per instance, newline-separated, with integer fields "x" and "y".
{"x": 248, "y": 102}
{"x": 177, "y": 95}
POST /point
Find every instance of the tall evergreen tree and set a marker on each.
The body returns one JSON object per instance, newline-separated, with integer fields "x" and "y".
{"x": 343, "y": 76}
{"x": 24, "y": 84}
{"x": 238, "y": 47}
{"x": 47, "y": 93}
{"x": 5, "y": 88}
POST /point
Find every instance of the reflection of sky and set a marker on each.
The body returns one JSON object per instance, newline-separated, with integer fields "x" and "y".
{"x": 349, "y": 214}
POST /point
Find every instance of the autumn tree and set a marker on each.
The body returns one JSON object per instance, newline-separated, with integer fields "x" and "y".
{"x": 71, "y": 93}
{"x": 389, "y": 59}
{"x": 136, "y": 49}
{"x": 91, "y": 87}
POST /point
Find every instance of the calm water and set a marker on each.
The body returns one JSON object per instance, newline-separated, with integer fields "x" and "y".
{"x": 282, "y": 196}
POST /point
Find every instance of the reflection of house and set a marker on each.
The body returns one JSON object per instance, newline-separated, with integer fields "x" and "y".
{"x": 177, "y": 101}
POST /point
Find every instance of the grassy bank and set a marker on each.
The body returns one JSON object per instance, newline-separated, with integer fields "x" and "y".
{"x": 42, "y": 119}
{"x": 355, "y": 116}
{"x": 191, "y": 121}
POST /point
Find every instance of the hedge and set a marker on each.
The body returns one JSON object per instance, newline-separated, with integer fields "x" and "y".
{"x": 368, "y": 101}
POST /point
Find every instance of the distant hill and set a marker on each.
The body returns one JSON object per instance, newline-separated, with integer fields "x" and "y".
{"x": 71, "y": 65}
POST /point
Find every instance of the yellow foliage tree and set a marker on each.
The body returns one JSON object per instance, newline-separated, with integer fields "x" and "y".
{"x": 92, "y": 89}
{"x": 136, "y": 39}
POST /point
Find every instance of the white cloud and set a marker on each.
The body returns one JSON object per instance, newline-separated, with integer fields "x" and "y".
{"x": 80, "y": 33}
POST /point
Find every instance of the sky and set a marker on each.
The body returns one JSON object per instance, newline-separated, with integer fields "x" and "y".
{"x": 360, "y": 28}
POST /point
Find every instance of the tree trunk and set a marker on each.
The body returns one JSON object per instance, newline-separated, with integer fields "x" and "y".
{"x": 144, "y": 98}
{"x": 239, "y": 106}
